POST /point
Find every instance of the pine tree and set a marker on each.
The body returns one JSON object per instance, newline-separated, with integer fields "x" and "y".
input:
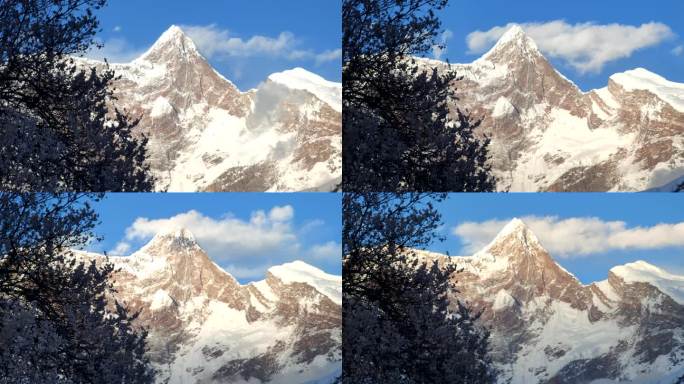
{"x": 58, "y": 323}
{"x": 399, "y": 133}
{"x": 399, "y": 324}
{"x": 57, "y": 128}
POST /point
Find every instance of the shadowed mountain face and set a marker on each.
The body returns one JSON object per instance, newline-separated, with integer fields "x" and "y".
{"x": 205, "y": 327}
{"x": 548, "y": 135}
{"x": 548, "y": 327}
{"x": 206, "y": 135}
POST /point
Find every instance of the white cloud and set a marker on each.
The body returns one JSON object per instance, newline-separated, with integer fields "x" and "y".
{"x": 577, "y": 236}
{"x": 117, "y": 28}
{"x": 678, "y": 50}
{"x": 121, "y": 249}
{"x": 220, "y": 44}
{"x": 116, "y": 50}
{"x": 280, "y": 214}
{"x": 311, "y": 225}
{"x": 215, "y": 42}
{"x": 440, "y": 49}
{"x": 229, "y": 238}
{"x": 587, "y": 47}
{"x": 328, "y": 251}
{"x": 329, "y": 55}
{"x": 245, "y": 247}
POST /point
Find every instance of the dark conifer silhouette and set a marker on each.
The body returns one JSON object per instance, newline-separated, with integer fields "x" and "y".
{"x": 398, "y": 323}
{"x": 57, "y": 128}
{"x": 399, "y": 134}
{"x": 57, "y": 324}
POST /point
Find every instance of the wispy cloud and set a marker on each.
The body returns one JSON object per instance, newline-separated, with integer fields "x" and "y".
{"x": 218, "y": 43}
{"x": 440, "y": 49}
{"x": 121, "y": 249}
{"x": 245, "y": 247}
{"x": 678, "y": 50}
{"x": 328, "y": 56}
{"x": 587, "y": 47}
{"x": 221, "y": 44}
{"x": 327, "y": 251}
{"x": 115, "y": 50}
{"x": 577, "y": 236}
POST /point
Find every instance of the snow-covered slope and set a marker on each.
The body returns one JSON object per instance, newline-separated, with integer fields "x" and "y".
{"x": 548, "y": 327}
{"x": 642, "y": 79}
{"x": 301, "y": 272}
{"x": 641, "y": 271}
{"x": 299, "y": 78}
{"x": 205, "y": 327}
{"x": 548, "y": 135}
{"x": 207, "y": 135}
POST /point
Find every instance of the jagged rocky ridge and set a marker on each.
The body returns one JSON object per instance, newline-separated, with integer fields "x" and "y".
{"x": 205, "y": 327}
{"x": 548, "y": 327}
{"x": 207, "y": 135}
{"x": 548, "y": 135}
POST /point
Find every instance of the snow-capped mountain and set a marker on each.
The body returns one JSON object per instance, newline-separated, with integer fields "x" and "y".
{"x": 205, "y": 327}
{"x": 548, "y": 135}
{"x": 548, "y": 327}
{"x": 207, "y": 135}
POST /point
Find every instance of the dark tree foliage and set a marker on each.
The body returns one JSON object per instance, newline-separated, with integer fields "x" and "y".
{"x": 57, "y": 131}
{"x": 57, "y": 322}
{"x": 398, "y": 322}
{"x": 399, "y": 134}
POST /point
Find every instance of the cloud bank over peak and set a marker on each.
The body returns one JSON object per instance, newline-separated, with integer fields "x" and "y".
{"x": 577, "y": 236}
{"x": 586, "y": 47}
{"x": 244, "y": 247}
{"x": 215, "y": 42}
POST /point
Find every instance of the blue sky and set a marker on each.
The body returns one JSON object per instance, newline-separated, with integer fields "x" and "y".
{"x": 652, "y": 47}
{"x": 243, "y": 232}
{"x": 302, "y": 33}
{"x": 607, "y": 229}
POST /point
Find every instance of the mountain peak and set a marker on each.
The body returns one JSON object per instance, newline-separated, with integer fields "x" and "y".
{"x": 301, "y": 272}
{"x": 515, "y": 32}
{"x": 299, "y": 78}
{"x": 514, "y": 235}
{"x": 516, "y": 223}
{"x": 173, "y": 250}
{"x": 172, "y": 41}
{"x": 643, "y": 79}
{"x": 174, "y": 30}
{"x": 514, "y": 226}
{"x": 514, "y": 42}
{"x": 177, "y": 233}
{"x": 173, "y": 237}
{"x": 174, "y": 33}
{"x": 643, "y": 272}
{"x": 515, "y": 232}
